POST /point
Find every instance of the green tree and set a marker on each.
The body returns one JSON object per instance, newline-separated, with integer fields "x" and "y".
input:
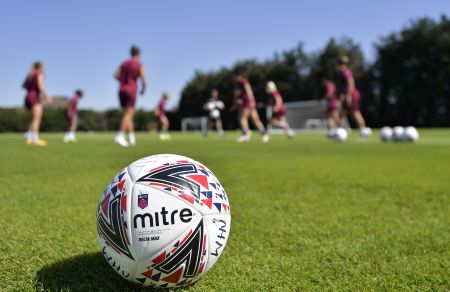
{"x": 412, "y": 74}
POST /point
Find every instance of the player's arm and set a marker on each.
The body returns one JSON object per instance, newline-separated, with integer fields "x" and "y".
{"x": 24, "y": 84}
{"x": 236, "y": 100}
{"x": 278, "y": 102}
{"x": 350, "y": 89}
{"x": 157, "y": 112}
{"x": 117, "y": 73}
{"x": 40, "y": 80}
{"x": 206, "y": 106}
{"x": 143, "y": 80}
{"x": 249, "y": 92}
{"x": 221, "y": 105}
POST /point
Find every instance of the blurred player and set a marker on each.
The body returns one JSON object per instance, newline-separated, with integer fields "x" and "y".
{"x": 246, "y": 104}
{"x": 278, "y": 118}
{"x": 332, "y": 106}
{"x": 127, "y": 74}
{"x": 72, "y": 117}
{"x": 34, "y": 85}
{"x": 350, "y": 97}
{"x": 214, "y": 106}
{"x": 160, "y": 113}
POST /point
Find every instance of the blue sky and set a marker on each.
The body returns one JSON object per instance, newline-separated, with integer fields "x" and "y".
{"x": 82, "y": 42}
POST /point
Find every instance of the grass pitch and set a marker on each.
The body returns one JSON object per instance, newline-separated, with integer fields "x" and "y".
{"x": 307, "y": 214}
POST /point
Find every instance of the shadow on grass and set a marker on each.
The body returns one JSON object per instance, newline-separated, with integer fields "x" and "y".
{"x": 87, "y": 272}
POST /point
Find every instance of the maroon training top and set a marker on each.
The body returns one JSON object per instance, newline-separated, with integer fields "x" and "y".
{"x": 129, "y": 73}
{"x": 31, "y": 85}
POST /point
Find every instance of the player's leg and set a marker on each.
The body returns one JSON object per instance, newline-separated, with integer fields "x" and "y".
{"x": 358, "y": 118}
{"x": 258, "y": 124}
{"x": 243, "y": 116}
{"x": 69, "y": 127}
{"x": 164, "y": 135}
{"x": 130, "y": 111}
{"x": 123, "y": 127}
{"x": 342, "y": 116}
{"x": 36, "y": 118}
{"x": 219, "y": 127}
{"x": 29, "y": 133}
{"x": 73, "y": 128}
{"x": 281, "y": 122}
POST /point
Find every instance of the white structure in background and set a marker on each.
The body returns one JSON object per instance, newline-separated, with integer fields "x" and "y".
{"x": 195, "y": 124}
{"x": 305, "y": 115}
{"x": 301, "y": 115}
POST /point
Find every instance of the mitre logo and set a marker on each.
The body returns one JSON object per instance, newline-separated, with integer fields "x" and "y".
{"x": 162, "y": 217}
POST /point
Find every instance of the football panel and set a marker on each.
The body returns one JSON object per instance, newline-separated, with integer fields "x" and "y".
{"x": 218, "y": 229}
{"x": 113, "y": 234}
{"x": 180, "y": 263}
{"x": 143, "y": 165}
{"x": 186, "y": 179}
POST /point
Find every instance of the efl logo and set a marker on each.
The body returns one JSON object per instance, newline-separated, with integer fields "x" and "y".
{"x": 142, "y": 200}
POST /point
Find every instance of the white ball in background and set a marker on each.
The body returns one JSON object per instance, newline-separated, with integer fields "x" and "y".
{"x": 398, "y": 133}
{"x": 215, "y": 114}
{"x": 411, "y": 134}
{"x": 340, "y": 134}
{"x": 386, "y": 134}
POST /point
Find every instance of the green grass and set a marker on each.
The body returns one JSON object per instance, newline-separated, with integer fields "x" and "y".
{"x": 307, "y": 214}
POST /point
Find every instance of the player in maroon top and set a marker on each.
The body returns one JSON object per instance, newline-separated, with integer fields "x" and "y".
{"x": 160, "y": 113}
{"x": 34, "y": 85}
{"x": 278, "y": 118}
{"x": 72, "y": 116}
{"x": 128, "y": 74}
{"x": 350, "y": 97}
{"x": 332, "y": 106}
{"x": 246, "y": 104}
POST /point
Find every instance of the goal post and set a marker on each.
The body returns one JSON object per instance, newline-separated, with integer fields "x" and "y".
{"x": 194, "y": 124}
{"x": 305, "y": 115}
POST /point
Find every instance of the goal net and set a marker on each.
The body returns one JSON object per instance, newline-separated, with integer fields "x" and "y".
{"x": 307, "y": 115}
{"x": 194, "y": 124}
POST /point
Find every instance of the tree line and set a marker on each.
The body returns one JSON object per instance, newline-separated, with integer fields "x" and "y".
{"x": 408, "y": 83}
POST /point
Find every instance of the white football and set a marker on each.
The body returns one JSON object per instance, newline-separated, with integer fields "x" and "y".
{"x": 398, "y": 133}
{"x": 214, "y": 114}
{"x": 411, "y": 134}
{"x": 365, "y": 132}
{"x": 386, "y": 134}
{"x": 163, "y": 221}
{"x": 340, "y": 134}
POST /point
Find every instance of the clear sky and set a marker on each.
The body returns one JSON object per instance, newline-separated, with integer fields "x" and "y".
{"x": 82, "y": 42}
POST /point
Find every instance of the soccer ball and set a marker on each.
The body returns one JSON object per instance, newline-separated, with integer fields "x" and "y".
{"x": 411, "y": 134}
{"x": 163, "y": 221}
{"x": 215, "y": 114}
{"x": 340, "y": 134}
{"x": 386, "y": 134}
{"x": 365, "y": 132}
{"x": 398, "y": 133}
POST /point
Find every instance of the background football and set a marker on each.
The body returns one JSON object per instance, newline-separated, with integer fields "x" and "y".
{"x": 163, "y": 221}
{"x": 398, "y": 133}
{"x": 411, "y": 134}
{"x": 386, "y": 134}
{"x": 340, "y": 135}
